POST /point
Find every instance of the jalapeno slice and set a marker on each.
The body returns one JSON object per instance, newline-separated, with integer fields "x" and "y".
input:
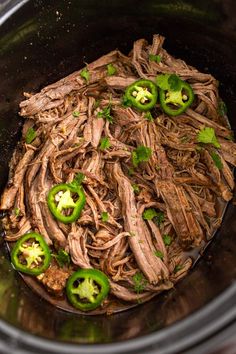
{"x": 87, "y": 288}
{"x": 31, "y": 254}
{"x": 176, "y": 95}
{"x": 142, "y": 94}
{"x": 66, "y": 202}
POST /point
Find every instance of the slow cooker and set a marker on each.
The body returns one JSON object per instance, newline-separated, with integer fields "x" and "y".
{"x": 42, "y": 41}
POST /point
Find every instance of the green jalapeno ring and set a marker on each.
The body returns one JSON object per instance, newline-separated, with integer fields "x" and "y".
{"x": 32, "y": 253}
{"x": 67, "y": 203}
{"x": 142, "y": 94}
{"x": 87, "y": 288}
{"x": 174, "y": 103}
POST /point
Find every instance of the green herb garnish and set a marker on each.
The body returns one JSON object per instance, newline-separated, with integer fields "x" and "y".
{"x": 159, "y": 254}
{"x": 149, "y": 116}
{"x": 30, "y": 135}
{"x": 217, "y": 160}
{"x": 178, "y": 267}
{"x": 126, "y": 102}
{"x": 156, "y": 58}
{"x": 78, "y": 179}
{"x": 111, "y": 70}
{"x": 167, "y": 240}
{"x": 149, "y": 214}
{"x": 159, "y": 218}
{"x": 17, "y": 211}
{"x": 106, "y": 114}
{"x": 105, "y": 143}
{"x": 136, "y": 188}
{"x": 139, "y": 282}
{"x": 207, "y": 136}
{"x": 76, "y": 114}
{"x": 85, "y": 74}
{"x": 140, "y": 154}
{"x": 62, "y": 258}
{"x": 104, "y": 216}
{"x": 170, "y": 82}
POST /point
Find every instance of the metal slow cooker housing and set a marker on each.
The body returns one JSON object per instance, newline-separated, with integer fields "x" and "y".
{"x": 43, "y": 41}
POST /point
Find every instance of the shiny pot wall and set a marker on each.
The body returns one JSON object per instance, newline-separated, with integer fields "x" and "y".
{"x": 42, "y": 41}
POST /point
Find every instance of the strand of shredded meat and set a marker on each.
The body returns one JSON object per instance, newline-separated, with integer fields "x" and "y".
{"x": 180, "y": 180}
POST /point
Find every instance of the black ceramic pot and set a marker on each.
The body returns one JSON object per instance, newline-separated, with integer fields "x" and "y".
{"x": 42, "y": 41}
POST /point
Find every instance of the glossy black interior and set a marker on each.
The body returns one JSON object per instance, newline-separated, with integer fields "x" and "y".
{"x": 46, "y": 40}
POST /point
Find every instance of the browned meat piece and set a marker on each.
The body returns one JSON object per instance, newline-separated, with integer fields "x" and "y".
{"x": 54, "y": 279}
{"x": 180, "y": 214}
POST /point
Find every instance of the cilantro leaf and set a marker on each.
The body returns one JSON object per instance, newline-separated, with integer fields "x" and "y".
{"x": 85, "y": 74}
{"x": 62, "y": 258}
{"x": 156, "y": 58}
{"x": 140, "y": 154}
{"x": 149, "y": 214}
{"x": 126, "y": 102}
{"x": 175, "y": 82}
{"x": 149, "y": 116}
{"x": 105, "y": 143}
{"x": 78, "y": 179}
{"x": 104, "y": 216}
{"x": 106, "y": 114}
{"x": 76, "y": 114}
{"x": 159, "y": 218}
{"x": 111, "y": 70}
{"x": 178, "y": 267}
{"x": 207, "y": 136}
{"x": 162, "y": 81}
{"x": 159, "y": 254}
{"x": 136, "y": 188}
{"x": 170, "y": 82}
{"x": 167, "y": 240}
{"x": 217, "y": 160}
{"x": 139, "y": 282}
{"x": 30, "y": 135}
{"x": 17, "y": 211}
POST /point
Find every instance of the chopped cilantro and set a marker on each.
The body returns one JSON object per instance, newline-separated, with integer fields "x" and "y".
{"x": 104, "y": 216}
{"x": 105, "y": 143}
{"x": 178, "y": 267}
{"x": 132, "y": 233}
{"x": 222, "y": 108}
{"x": 156, "y": 58}
{"x": 30, "y": 135}
{"x": 62, "y": 258}
{"x": 207, "y": 136}
{"x": 159, "y": 218}
{"x": 159, "y": 254}
{"x": 78, "y": 179}
{"x": 136, "y": 188}
{"x": 96, "y": 104}
{"x": 106, "y": 114}
{"x": 167, "y": 240}
{"x": 76, "y": 114}
{"x": 169, "y": 82}
{"x": 126, "y": 102}
{"x": 85, "y": 74}
{"x": 230, "y": 137}
{"x": 149, "y": 214}
{"x": 139, "y": 282}
{"x": 217, "y": 160}
{"x": 17, "y": 211}
{"x": 149, "y": 116}
{"x": 140, "y": 154}
{"x": 111, "y": 70}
